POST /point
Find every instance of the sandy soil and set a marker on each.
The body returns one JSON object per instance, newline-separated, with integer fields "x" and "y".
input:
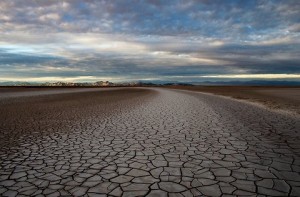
{"x": 12, "y": 92}
{"x": 282, "y": 98}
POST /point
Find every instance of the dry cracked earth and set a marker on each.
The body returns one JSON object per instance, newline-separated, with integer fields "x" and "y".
{"x": 145, "y": 142}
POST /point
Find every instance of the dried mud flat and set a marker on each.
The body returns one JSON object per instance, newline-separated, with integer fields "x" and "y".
{"x": 286, "y": 98}
{"x": 144, "y": 142}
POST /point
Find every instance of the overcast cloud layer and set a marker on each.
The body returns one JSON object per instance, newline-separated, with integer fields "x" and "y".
{"x": 120, "y": 40}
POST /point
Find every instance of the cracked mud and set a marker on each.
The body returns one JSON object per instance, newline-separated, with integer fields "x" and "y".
{"x": 146, "y": 142}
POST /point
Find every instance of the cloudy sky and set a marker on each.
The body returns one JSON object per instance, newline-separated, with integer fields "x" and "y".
{"x": 124, "y": 40}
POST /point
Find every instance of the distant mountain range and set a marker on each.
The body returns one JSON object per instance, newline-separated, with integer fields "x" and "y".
{"x": 252, "y": 82}
{"x": 152, "y": 83}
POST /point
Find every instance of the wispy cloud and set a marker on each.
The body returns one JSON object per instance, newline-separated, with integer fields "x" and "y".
{"x": 148, "y": 39}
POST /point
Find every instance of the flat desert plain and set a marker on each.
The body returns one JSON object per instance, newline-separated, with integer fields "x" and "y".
{"x": 286, "y": 98}
{"x": 145, "y": 142}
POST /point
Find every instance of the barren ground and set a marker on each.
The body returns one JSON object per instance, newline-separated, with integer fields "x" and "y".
{"x": 144, "y": 142}
{"x": 283, "y": 98}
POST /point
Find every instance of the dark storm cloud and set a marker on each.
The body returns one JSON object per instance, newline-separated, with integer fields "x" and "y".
{"x": 149, "y": 37}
